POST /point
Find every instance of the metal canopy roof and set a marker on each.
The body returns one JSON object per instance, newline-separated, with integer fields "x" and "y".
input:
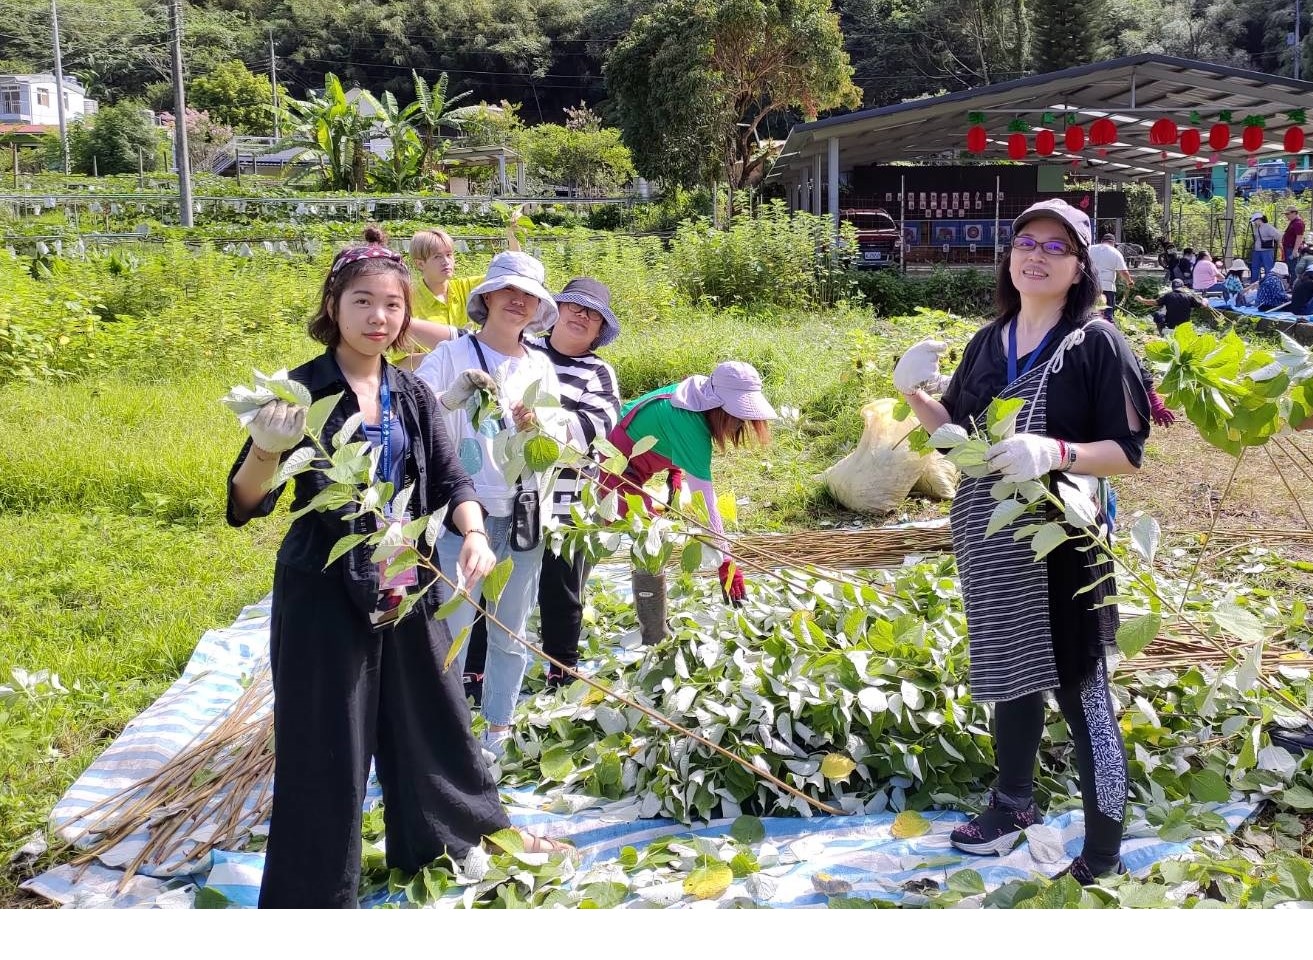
{"x": 1133, "y": 91}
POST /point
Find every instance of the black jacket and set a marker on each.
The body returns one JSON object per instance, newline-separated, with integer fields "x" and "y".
{"x": 431, "y": 465}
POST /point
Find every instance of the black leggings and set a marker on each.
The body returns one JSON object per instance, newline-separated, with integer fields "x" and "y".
{"x": 1100, "y": 758}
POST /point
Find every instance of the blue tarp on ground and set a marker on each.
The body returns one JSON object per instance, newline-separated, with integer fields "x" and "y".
{"x": 859, "y": 849}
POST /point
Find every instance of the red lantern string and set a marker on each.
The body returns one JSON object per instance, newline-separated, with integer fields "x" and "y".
{"x": 1190, "y": 142}
{"x": 976, "y": 139}
{"x": 1045, "y": 143}
{"x": 1103, "y": 132}
{"x": 1252, "y": 139}
{"x": 1017, "y": 146}
{"x": 1162, "y": 133}
{"x": 1075, "y": 139}
{"x": 1219, "y": 137}
{"x": 1293, "y": 142}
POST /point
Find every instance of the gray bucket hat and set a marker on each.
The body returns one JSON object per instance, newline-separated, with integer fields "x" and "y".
{"x": 512, "y": 268}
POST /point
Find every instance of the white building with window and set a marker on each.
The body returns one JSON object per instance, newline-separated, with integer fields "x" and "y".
{"x": 30, "y": 98}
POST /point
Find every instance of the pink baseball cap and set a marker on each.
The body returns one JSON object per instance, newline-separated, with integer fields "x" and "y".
{"x": 1072, "y": 218}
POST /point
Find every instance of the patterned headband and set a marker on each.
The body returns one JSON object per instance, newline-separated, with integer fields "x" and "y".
{"x": 366, "y": 252}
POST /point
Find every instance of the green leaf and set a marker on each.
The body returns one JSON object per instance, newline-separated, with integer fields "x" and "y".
{"x": 208, "y": 898}
{"x": 450, "y": 605}
{"x": 966, "y": 882}
{"x": 837, "y": 766}
{"x": 1145, "y": 535}
{"x": 298, "y": 461}
{"x": 457, "y": 643}
{"x": 508, "y": 839}
{"x": 1238, "y": 622}
{"x": 343, "y": 545}
{"x": 1001, "y": 417}
{"x": 748, "y": 829}
{"x": 318, "y": 414}
{"x": 709, "y": 882}
{"x": 949, "y": 437}
{"x": 642, "y": 446}
{"x": 1208, "y": 786}
{"x": 1137, "y": 633}
{"x": 348, "y": 429}
{"x": 495, "y": 582}
{"x": 603, "y": 895}
{"x": 1004, "y": 513}
{"x": 541, "y": 453}
{"x": 690, "y": 560}
{"x": 1048, "y": 538}
{"x": 557, "y": 763}
{"x": 1297, "y": 797}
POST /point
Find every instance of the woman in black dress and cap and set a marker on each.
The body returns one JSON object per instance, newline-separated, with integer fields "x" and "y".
{"x": 1030, "y": 626}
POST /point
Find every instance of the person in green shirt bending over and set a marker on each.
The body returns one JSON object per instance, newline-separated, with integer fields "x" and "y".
{"x": 437, "y": 296}
{"x": 688, "y": 419}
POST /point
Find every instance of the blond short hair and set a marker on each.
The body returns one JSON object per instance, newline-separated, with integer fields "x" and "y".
{"x": 430, "y": 243}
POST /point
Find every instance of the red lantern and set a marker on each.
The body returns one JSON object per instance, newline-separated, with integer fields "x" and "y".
{"x": 1219, "y": 137}
{"x": 1075, "y": 139}
{"x": 1045, "y": 143}
{"x": 1252, "y": 139}
{"x": 1162, "y": 133}
{"x": 1017, "y": 146}
{"x": 976, "y": 139}
{"x": 1294, "y": 140}
{"x": 1190, "y": 142}
{"x": 1103, "y": 132}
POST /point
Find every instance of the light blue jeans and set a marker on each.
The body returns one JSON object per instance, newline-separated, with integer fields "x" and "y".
{"x": 1260, "y": 262}
{"x": 507, "y": 660}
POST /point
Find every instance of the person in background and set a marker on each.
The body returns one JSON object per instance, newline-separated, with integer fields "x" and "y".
{"x": 1174, "y": 307}
{"x": 509, "y": 304}
{"x": 438, "y": 295}
{"x": 1264, "y": 253}
{"x": 1110, "y": 263}
{"x": 1234, "y": 284}
{"x": 1305, "y": 258}
{"x": 1167, "y": 257}
{"x": 348, "y": 688}
{"x": 1205, "y": 276}
{"x": 1301, "y": 294}
{"x": 1273, "y": 290}
{"x": 1046, "y": 626}
{"x": 689, "y": 420}
{"x": 1293, "y": 237}
{"x": 1184, "y": 269}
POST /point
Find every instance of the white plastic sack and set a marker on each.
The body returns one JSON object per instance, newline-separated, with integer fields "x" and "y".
{"x": 881, "y": 471}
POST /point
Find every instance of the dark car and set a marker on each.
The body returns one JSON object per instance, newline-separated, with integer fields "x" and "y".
{"x": 878, "y": 237}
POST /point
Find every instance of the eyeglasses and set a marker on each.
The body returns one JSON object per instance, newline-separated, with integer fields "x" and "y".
{"x": 1054, "y": 248}
{"x": 589, "y": 312}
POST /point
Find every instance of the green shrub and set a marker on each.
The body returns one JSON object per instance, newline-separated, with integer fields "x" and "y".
{"x": 763, "y": 259}
{"x": 893, "y": 294}
{"x": 113, "y": 139}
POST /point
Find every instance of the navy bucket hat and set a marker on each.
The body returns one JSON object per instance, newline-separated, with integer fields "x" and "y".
{"x": 594, "y": 295}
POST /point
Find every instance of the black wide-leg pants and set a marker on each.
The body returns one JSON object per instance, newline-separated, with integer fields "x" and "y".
{"x": 344, "y": 694}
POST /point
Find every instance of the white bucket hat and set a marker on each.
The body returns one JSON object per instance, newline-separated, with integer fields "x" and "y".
{"x": 512, "y": 268}
{"x": 1280, "y": 269}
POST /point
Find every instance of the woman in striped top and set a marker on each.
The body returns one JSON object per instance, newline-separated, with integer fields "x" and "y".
{"x": 1041, "y": 626}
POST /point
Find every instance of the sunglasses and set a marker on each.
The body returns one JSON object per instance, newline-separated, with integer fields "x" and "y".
{"x": 1054, "y": 248}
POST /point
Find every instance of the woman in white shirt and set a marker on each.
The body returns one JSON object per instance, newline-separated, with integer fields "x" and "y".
{"x": 510, "y": 303}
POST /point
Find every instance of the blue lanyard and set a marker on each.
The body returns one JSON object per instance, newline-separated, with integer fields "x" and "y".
{"x": 385, "y": 425}
{"x": 1012, "y": 351}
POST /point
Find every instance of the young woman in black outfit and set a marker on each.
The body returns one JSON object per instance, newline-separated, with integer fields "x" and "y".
{"x": 1086, "y": 416}
{"x": 344, "y": 691}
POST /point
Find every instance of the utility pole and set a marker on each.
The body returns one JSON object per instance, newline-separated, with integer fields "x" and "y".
{"x": 180, "y": 118}
{"x": 1299, "y": 52}
{"x": 59, "y": 85}
{"x": 273, "y": 80}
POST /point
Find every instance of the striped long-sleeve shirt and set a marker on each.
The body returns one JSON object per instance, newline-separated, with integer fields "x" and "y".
{"x": 590, "y": 395}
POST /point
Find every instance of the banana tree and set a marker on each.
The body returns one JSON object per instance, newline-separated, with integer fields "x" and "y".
{"x": 432, "y": 109}
{"x": 331, "y": 126}
{"x": 404, "y": 167}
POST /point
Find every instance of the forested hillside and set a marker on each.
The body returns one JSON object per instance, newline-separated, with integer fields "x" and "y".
{"x": 549, "y": 54}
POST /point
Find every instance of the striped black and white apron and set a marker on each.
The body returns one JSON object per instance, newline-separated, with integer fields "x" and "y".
{"x": 1004, "y": 590}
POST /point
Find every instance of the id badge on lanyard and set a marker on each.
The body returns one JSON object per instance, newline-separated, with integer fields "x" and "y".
{"x": 407, "y": 578}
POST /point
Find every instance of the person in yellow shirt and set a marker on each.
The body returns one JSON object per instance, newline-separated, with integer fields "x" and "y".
{"x": 437, "y": 298}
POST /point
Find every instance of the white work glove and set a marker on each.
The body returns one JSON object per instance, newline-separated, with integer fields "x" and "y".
{"x": 1024, "y": 456}
{"x": 278, "y": 426}
{"x": 918, "y": 368}
{"x": 467, "y": 384}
